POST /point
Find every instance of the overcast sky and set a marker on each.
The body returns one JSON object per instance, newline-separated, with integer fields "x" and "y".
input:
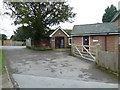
{"x": 88, "y": 12}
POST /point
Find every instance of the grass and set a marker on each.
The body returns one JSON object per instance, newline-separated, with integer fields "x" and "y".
{"x": 1, "y": 62}
{"x": 61, "y": 49}
{"x": 2, "y": 68}
{"x": 107, "y": 71}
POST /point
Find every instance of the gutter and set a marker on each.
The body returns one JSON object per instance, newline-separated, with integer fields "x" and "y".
{"x": 10, "y": 77}
{"x": 95, "y": 34}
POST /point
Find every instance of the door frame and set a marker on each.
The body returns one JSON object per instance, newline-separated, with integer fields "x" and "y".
{"x": 60, "y": 43}
{"x": 89, "y": 42}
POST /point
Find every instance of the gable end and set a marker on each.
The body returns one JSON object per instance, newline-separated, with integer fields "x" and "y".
{"x": 59, "y": 28}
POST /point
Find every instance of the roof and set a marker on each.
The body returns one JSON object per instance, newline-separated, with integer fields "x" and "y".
{"x": 59, "y": 28}
{"x": 99, "y": 28}
{"x": 116, "y": 16}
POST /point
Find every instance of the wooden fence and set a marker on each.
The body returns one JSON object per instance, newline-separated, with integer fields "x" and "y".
{"x": 108, "y": 60}
{"x": 12, "y": 43}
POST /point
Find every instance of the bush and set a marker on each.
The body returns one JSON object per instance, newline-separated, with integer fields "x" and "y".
{"x": 69, "y": 46}
{"x": 23, "y": 44}
{"x": 39, "y": 48}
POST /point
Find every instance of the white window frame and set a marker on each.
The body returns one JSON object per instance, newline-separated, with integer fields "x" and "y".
{"x": 69, "y": 41}
{"x": 89, "y": 42}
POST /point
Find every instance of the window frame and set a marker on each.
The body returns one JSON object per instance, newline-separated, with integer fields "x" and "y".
{"x": 69, "y": 42}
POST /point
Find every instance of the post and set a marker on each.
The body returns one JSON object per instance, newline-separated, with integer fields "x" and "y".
{"x": 72, "y": 49}
{"x": 97, "y": 53}
{"x": 119, "y": 59}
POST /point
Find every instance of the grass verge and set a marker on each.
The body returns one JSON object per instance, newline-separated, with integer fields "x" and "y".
{"x": 2, "y": 68}
{"x": 1, "y": 62}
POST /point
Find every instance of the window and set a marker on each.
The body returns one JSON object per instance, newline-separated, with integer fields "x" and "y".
{"x": 69, "y": 41}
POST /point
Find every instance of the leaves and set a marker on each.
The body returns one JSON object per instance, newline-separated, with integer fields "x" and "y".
{"x": 109, "y": 13}
{"x": 3, "y": 37}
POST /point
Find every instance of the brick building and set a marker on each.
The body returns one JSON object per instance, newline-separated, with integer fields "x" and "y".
{"x": 59, "y": 38}
{"x": 116, "y": 20}
{"x": 104, "y": 34}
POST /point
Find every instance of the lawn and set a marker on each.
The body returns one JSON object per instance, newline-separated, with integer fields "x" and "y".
{"x": 1, "y": 62}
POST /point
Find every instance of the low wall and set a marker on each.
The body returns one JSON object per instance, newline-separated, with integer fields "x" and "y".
{"x": 108, "y": 60}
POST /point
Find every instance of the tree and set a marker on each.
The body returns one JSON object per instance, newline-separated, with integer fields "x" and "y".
{"x": 21, "y": 34}
{"x": 37, "y": 17}
{"x": 109, "y": 13}
{"x": 3, "y": 37}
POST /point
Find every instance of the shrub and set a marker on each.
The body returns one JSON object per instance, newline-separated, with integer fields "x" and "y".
{"x": 42, "y": 48}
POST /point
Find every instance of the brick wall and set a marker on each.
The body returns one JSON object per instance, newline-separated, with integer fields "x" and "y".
{"x": 112, "y": 43}
{"x": 118, "y": 22}
{"x": 101, "y": 41}
{"x": 77, "y": 40}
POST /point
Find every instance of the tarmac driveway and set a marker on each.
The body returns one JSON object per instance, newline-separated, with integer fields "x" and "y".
{"x": 53, "y": 64}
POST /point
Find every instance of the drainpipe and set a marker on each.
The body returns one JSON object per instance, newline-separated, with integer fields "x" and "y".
{"x": 105, "y": 43}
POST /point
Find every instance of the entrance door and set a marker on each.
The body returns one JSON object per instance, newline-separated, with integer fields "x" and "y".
{"x": 59, "y": 42}
{"x": 86, "y": 41}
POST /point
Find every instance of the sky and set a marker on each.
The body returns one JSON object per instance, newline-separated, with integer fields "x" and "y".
{"x": 88, "y": 12}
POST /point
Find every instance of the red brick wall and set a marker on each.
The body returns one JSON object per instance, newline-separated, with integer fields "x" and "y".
{"x": 59, "y": 33}
{"x": 117, "y": 21}
{"x": 77, "y": 40}
{"x": 111, "y": 42}
{"x": 101, "y": 41}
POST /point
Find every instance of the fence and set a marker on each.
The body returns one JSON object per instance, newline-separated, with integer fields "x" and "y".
{"x": 12, "y": 43}
{"x": 17, "y": 43}
{"x": 108, "y": 60}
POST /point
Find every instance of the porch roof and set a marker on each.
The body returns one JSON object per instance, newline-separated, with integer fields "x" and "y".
{"x": 66, "y": 32}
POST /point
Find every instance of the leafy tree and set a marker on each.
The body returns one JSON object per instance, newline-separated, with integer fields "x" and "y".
{"x": 39, "y": 16}
{"x": 21, "y": 34}
{"x": 3, "y": 37}
{"x": 109, "y": 13}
